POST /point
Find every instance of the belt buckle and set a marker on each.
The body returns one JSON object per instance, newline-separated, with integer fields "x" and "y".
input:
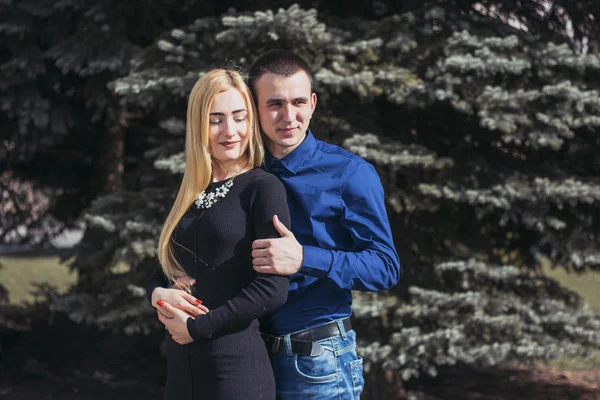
{"x": 276, "y": 343}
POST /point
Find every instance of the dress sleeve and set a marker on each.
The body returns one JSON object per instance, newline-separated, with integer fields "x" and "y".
{"x": 157, "y": 279}
{"x": 265, "y": 292}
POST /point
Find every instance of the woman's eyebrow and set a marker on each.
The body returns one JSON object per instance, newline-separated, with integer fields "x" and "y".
{"x": 233, "y": 112}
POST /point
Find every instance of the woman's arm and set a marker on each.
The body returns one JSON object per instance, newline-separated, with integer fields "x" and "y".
{"x": 157, "y": 280}
{"x": 158, "y": 288}
{"x": 265, "y": 292}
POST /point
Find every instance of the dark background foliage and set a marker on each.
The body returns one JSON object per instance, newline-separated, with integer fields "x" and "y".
{"x": 482, "y": 119}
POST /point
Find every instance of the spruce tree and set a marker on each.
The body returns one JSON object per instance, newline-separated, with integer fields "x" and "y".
{"x": 482, "y": 123}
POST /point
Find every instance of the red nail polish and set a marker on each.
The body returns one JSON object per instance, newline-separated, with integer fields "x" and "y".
{"x": 160, "y": 303}
{"x": 198, "y": 301}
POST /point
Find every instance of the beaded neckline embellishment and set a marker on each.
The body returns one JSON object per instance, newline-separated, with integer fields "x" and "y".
{"x": 209, "y": 197}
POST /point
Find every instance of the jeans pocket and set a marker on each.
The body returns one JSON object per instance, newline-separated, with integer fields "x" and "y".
{"x": 358, "y": 380}
{"x": 318, "y": 369}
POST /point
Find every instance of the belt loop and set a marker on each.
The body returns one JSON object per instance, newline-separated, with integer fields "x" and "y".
{"x": 288, "y": 344}
{"x": 340, "y": 324}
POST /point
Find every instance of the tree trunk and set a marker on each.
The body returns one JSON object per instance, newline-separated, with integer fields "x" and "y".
{"x": 112, "y": 159}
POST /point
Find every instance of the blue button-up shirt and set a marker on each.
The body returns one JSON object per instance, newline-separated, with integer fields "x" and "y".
{"x": 338, "y": 215}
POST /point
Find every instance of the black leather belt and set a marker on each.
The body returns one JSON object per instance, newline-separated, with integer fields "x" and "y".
{"x": 304, "y": 342}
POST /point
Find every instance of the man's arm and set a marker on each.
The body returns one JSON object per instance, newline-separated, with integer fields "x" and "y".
{"x": 372, "y": 265}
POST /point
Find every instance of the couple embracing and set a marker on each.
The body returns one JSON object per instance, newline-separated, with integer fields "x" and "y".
{"x": 269, "y": 233}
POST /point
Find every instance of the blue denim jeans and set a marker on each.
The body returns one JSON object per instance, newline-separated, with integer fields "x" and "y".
{"x": 335, "y": 373}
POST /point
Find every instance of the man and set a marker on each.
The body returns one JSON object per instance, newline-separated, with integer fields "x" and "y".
{"x": 341, "y": 238}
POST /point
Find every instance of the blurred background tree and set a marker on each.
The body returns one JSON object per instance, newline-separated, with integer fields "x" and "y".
{"x": 482, "y": 119}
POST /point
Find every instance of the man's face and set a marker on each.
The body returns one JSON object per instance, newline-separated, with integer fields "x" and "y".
{"x": 285, "y": 106}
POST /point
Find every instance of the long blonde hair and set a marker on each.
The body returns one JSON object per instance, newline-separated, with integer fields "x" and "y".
{"x": 198, "y": 165}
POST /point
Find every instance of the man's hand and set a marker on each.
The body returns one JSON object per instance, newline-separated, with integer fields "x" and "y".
{"x": 179, "y": 299}
{"x": 177, "y": 325}
{"x": 281, "y": 256}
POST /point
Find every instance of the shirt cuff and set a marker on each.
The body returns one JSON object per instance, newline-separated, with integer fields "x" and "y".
{"x": 317, "y": 262}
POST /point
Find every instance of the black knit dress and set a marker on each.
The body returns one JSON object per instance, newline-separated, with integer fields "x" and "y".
{"x": 227, "y": 359}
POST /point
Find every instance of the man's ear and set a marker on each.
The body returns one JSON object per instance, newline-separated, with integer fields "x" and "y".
{"x": 313, "y": 101}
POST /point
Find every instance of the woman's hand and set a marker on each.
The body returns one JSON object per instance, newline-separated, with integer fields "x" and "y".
{"x": 178, "y": 299}
{"x": 177, "y": 325}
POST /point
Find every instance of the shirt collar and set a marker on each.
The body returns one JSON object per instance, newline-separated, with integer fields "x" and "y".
{"x": 294, "y": 160}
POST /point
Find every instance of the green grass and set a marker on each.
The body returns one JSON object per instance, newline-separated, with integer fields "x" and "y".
{"x": 590, "y": 362}
{"x": 586, "y": 284}
{"x": 19, "y": 273}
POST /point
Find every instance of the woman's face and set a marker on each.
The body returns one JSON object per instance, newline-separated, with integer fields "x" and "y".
{"x": 228, "y": 128}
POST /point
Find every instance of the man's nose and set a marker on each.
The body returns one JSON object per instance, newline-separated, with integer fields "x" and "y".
{"x": 289, "y": 113}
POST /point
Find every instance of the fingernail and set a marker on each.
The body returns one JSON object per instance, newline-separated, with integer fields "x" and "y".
{"x": 160, "y": 303}
{"x": 193, "y": 282}
{"x": 198, "y": 301}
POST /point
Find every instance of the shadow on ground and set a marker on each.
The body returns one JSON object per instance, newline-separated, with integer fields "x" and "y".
{"x": 61, "y": 360}
{"x": 508, "y": 383}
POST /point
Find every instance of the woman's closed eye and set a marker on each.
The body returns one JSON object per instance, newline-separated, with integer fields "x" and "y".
{"x": 216, "y": 121}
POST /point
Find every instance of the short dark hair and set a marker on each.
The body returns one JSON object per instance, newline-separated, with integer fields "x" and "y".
{"x": 279, "y": 62}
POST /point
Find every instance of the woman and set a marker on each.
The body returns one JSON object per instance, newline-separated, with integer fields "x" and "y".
{"x": 224, "y": 203}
